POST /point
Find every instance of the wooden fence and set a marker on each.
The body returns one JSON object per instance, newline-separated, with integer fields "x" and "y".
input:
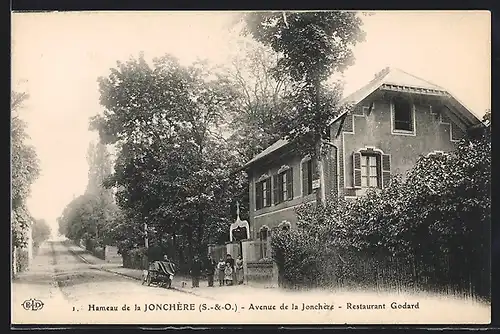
{"x": 449, "y": 274}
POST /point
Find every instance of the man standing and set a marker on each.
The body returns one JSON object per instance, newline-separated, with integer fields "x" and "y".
{"x": 210, "y": 269}
{"x": 195, "y": 272}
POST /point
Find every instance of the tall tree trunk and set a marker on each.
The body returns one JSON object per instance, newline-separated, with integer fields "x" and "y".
{"x": 201, "y": 222}
{"x": 190, "y": 243}
{"x": 174, "y": 246}
{"x": 317, "y": 159}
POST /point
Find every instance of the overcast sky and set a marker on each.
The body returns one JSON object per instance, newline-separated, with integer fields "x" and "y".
{"x": 57, "y": 58}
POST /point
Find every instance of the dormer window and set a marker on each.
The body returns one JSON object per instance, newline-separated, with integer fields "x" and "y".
{"x": 403, "y": 116}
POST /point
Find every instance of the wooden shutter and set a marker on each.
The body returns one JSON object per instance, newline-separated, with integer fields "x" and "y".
{"x": 276, "y": 186}
{"x": 258, "y": 195}
{"x": 386, "y": 170}
{"x": 305, "y": 178}
{"x": 268, "y": 192}
{"x": 356, "y": 169}
{"x": 289, "y": 183}
{"x": 314, "y": 168}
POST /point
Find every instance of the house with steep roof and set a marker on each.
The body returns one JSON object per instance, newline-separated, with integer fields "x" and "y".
{"x": 394, "y": 119}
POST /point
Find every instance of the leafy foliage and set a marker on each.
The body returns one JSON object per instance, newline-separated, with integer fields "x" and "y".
{"x": 25, "y": 170}
{"x": 40, "y": 232}
{"x": 172, "y": 170}
{"x": 437, "y": 218}
{"x": 312, "y": 46}
{"x": 297, "y": 256}
{"x": 91, "y": 216}
{"x": 253, "y": 125}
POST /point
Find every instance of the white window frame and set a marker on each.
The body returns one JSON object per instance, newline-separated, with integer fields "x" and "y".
{"x": 404, "y": 132}
{"x": 366, "y": 156}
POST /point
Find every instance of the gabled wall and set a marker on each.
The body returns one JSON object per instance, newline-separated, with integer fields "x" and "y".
{"x": 434, "y": 131}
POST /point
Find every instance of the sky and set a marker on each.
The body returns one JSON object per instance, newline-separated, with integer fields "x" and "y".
{"x": 57, "y": 58}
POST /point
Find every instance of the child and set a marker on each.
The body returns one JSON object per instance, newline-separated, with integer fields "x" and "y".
{"x": 220, "y": 267}
{"x": 228, "y": 274}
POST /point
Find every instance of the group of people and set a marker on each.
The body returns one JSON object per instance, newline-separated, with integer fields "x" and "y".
{"x": 228, "y": 271}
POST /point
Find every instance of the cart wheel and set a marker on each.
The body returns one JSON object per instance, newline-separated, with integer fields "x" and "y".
{"x": 148, "y": 280}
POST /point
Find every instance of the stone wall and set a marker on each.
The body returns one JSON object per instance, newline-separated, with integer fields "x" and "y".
{"x": 261, "y": 273}
{"x": 217, "y": 251}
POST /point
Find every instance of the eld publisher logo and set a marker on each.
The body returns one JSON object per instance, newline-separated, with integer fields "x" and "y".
{"x": 32, "y": 305}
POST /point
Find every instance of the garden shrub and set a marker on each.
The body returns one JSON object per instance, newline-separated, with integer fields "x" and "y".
{"x": 295, "y": 254}
{"x": 430, "y": 230}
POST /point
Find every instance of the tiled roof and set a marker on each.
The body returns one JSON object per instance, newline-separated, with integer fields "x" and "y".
{"x": 278, "y": 144}
{"x": 388, "y": 76}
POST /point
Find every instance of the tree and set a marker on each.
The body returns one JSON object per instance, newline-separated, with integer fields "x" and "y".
{"x": 88, "y": 217}
{"x": 312, "y": 46}
{"x": 172, "y": 171}
{"x": 105, "y": 209}
{"x": 40, "y": 232}
{"x": 262, "y": 93}
{"x": 25, "y": 170}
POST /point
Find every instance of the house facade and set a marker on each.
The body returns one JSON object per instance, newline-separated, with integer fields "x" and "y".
{"x": 394, "y": 119}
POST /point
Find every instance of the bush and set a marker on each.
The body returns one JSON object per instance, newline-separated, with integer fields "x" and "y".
{"x": 99, "y": 252}
{"x": 22, "y": 261}
{"x": 296, "y": 255}
{"x": 435, "y": 224}
{"x": 135, "y": 258}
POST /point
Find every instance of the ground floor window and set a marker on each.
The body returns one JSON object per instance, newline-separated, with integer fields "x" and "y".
{"x": 370, "y": 171}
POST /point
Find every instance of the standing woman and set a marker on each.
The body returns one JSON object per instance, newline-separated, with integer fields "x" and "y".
{"x": 221, "y": 266}
{"x": 239, "y": 270}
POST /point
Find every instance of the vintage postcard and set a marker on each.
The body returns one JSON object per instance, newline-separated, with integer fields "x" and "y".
{"x": 282, "y": 167}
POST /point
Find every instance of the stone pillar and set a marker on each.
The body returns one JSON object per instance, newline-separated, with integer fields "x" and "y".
{"x": 245, "y": 251}
{"x": 275, "y": 276}
{"x": 233, "y": 249}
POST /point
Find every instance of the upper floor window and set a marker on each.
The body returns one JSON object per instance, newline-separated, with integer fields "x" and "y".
{"x": 283, "y": 185}
{"x": 403, "y": 116}
{"x": 263, "y": 193}
{"x": 308, "y": 171}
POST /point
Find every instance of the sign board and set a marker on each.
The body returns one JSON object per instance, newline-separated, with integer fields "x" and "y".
{"x": 315, "y": 184}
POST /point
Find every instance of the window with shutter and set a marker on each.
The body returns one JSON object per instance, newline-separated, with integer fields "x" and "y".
{"x": 268, "y": 192}
{"x": 283, "y": 186}
{"x": 289, "y": 184}
{"x": 386, "y": 170}
{"x": 276, "y": 189}
{"x": 371, "y": 169}
{"x": 308, "y": 171}
{"x": 312, "y": 168}
{"x": 356, "y": 170}
{"x": 263, "y": 194}
{"x": 258, "y": 196}
{"x": 306, "y": 180}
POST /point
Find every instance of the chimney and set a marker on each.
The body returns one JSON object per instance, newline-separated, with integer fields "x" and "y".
{"x": 382, "y": 73}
